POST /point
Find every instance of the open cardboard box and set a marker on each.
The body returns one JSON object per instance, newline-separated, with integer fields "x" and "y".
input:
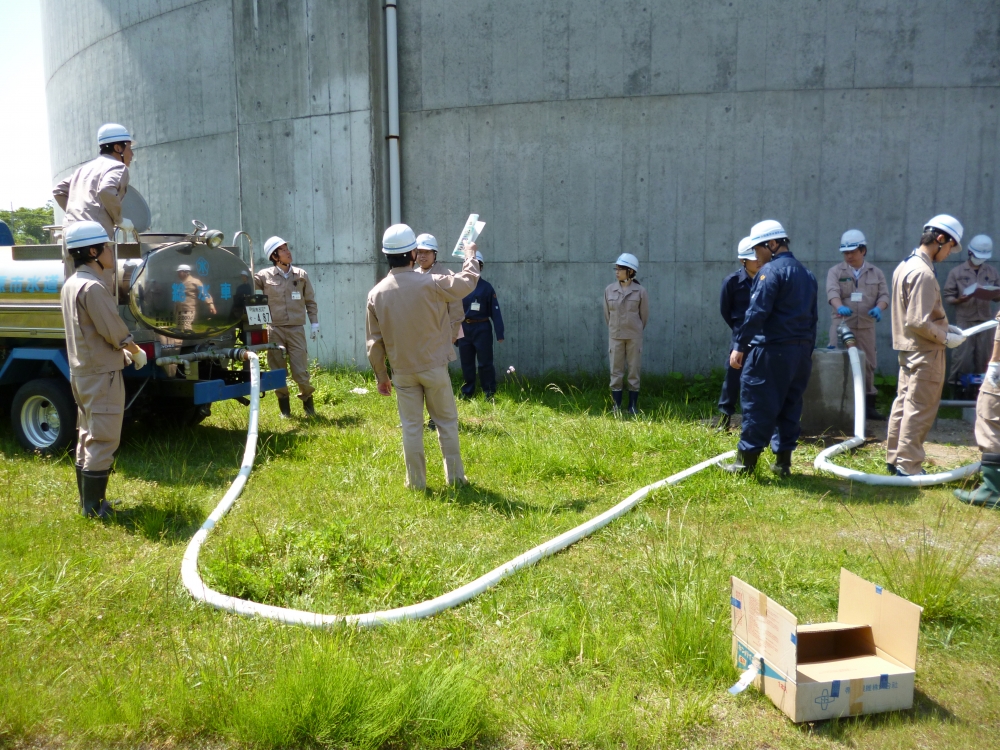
{"x": 864, "y": 663}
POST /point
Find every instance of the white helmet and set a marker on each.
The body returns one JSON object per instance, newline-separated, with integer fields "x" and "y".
{"x": 183, "y": 267}
{"x": 479, "y": 257}
{"x": 745, "y": 250}
{"x": 427, "y": 242}
{"x": 112, "y": 132}
{"x": 981, "y": 246}
{"x": 629, "y": 261}
{"x": 272, "y": 244}
{"x": 852, "y": 239}
{"x": 947, "y": 224}
{"x": 398, "y": 239}
{"x": 767, "y": 230}
{"x": 84, "y": 234}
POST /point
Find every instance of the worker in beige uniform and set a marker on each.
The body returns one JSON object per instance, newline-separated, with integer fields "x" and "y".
{"x": 427, "y": 250}
{"x": 407, "y": 323}
{"x": 858, "y": 294}
{"x": 972, "y": 356}
{"x": 290, "y": 298}
{"x": 99, "y": 347}
{"x": 920, "y": 333}
{"x": 988, "y": 433}
{"x": 626, "y": 311}
{"x": 186, "y": 308}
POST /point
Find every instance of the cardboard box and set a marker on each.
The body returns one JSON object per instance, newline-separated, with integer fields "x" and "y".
{"x": 864, "y": 663}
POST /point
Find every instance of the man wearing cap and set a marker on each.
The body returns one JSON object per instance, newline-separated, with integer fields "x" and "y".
{"x": 290, "y": 298}
{"x": 482, "y": 318}
{"x": 734, "y": 299}
{"x": 94, "y": 192}
{"x": 774, "y": 350}
{"x": 920, "y": 333}
{"x": 407, "y": 323}
{"x": 99, "y": 346}
{"x": 858, "y": 294}
{"x": 972, "y": 307}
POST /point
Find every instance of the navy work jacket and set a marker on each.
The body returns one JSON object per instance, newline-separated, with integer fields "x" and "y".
{"x": 489, "y": 307}
{"x": 782, "y": 305}
{"x": 734, "y": 299}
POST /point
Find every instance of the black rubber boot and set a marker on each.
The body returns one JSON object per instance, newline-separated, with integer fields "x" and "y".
{"x": 93, "y": 486}
{"x": 722, "y": 422}
{"x": 616, "y": 397}
{"x": 745, "y": 463}
{"x": 988, "y": 493}
{"x": 431, "y": 426}
{"x": 284, "y": 407}
{"x": 870, "y": 411}
{"x": 633, "y": 403}
{"x": 782, "y": 465}
{"x": 310, "y": 409}
{"x": 79, "y": 480}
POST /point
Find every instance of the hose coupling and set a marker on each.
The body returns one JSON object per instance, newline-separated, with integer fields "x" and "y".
{"x": 846, "y": 336}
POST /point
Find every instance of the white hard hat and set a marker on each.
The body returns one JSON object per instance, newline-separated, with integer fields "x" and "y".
{"x": 745, "y": 250}
{"x": 85, "y": 234}
{"x": 479, "y": 257}
{"x": 629, "y": 261}
{"x": 427, "y": 242}
{"x": 948, "y": 224}
{"x": 398, "y": 239}
{"x": 767, "y": 230}
{"x": 981, "y": 246}
{"x": 112, "y": 132}
{"x": 183, "y": 267}
{"x": 272, "y": 244}
{"x": 852, "y": 239}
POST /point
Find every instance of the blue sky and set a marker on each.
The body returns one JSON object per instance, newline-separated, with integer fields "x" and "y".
{"x": 25, "y": 174}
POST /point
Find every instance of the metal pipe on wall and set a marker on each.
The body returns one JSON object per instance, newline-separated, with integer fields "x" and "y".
{"x": 392, "y": 74}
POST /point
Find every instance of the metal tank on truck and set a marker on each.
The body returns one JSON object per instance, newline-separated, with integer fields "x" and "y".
{"x": 188, "y": 299}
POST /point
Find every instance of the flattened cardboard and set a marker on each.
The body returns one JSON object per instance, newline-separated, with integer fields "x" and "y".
{"x": 864, "y": 663}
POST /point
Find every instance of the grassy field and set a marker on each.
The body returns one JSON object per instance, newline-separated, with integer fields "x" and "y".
{"x": 621, "y": 641}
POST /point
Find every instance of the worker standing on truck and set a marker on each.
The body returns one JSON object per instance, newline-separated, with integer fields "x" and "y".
{"x": 972, "y": 309}
{"x": 290, "y": 298}
{"x": 734, "y": 299}
{"x": 99, "y": 347}
{"x": 407, "y": 323}
{"x": 95, "y": 191}
{"x": 920, "y": 333}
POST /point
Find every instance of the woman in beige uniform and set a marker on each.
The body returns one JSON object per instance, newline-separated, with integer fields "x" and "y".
{"x": 626, "y": 310}
{"x": 99, "y": 346}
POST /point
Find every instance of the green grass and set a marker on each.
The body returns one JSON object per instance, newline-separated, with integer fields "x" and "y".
{"x": 620, "y": 641}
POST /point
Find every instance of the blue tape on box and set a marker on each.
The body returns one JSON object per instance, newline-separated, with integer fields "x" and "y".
{"x": 794, "y": 639}
{"x": 878, "y": 589}
{"x": 735, "y": 602}
{"x": 835, "y": 689}
{"x": 883, "y": 682}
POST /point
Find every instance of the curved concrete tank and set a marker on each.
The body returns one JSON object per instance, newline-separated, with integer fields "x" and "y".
{"x": 577, "y": 130}
{"x": 256, "y": 115}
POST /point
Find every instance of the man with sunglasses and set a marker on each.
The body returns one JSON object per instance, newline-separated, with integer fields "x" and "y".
{"x": 920, "y": 333}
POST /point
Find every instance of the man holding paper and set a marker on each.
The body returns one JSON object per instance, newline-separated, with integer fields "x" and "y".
{"x": 971, "y": 287}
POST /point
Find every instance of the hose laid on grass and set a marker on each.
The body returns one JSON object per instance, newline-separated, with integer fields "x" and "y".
{"x": 200, "y": 590}
{"x": 823, "y": 462}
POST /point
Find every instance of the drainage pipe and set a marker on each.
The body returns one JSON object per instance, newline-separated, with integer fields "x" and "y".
{"x": 823, "y": 462}
{"x": 392, "y": 79}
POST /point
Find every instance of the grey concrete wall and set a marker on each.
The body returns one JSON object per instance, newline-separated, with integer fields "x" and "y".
{"x": 584, "y": 128}
{"x": 260, "y": 115}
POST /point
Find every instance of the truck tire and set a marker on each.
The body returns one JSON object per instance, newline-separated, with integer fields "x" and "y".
{"x": 43, "y": 415}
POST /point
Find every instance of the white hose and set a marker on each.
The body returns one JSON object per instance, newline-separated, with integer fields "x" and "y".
{"x": 823, "y": 463}
{"x": 200, "y": 591}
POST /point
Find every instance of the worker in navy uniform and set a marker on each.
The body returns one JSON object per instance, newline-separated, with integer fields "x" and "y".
{"x": 482, "y": 318}
{"x": 779, "y": 332}
{"x": 734, "y": 300}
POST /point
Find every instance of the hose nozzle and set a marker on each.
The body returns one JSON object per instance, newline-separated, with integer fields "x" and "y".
{"x": 846, "y": 335}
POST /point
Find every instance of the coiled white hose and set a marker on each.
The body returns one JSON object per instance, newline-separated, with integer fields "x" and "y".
{"x": 200, "y": 590}
{"x": 823, "y": 463}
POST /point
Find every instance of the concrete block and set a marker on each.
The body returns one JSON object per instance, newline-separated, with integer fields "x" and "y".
{"x": 828, "y": 406}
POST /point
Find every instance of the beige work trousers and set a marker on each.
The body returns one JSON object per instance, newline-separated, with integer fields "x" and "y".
{"x": 100, "y": 404}
{"x": 988, "y": 422}
{"x": 921, "y": 378}
{"x": 973, "y": 355}
{"x": 293, "y": 338}
{"x": 866, "y": 343}
{"x": 432, "y": 387}
{"x": 625, "y": 353}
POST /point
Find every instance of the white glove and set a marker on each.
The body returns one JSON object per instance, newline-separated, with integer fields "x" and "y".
{"x": 139, "y": 358}
{"x": 993, "y": 374}
{"x": 954, "y": 339}
{"x": 127, "y": 225}
{"x": 315, "y": 329}
{"x": 128, "y": 357}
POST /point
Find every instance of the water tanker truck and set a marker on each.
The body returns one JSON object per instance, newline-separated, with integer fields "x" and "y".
{"x": 189, "y": 301}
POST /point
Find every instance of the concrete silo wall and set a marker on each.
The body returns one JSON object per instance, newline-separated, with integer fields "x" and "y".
{"x": 578, "y": 129}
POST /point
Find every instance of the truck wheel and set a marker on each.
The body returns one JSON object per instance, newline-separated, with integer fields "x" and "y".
{"x": 43, "y": 415}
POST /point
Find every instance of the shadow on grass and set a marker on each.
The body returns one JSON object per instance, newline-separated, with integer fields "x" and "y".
{"x": 845, "y": 730}
{"x": 320, "y": 420}
{"x": 477, "y": 495}
{"x": 844, "y": 491}
{"x": 159, "y": 524}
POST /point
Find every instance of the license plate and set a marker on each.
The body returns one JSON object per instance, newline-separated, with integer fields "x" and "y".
{"x": 258, "y": 315}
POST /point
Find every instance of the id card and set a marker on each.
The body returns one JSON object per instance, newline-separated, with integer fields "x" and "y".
{"x": 856, "y": 296}
{"x": 474, "y": 307}
{"x": 298, "y": 295}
